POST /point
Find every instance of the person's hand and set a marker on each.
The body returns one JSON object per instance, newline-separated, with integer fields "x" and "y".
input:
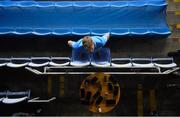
{"x": 70, "y": 43}
{"x": 107, "y": 35}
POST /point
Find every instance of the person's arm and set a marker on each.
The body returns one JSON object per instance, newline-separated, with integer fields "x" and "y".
{"x": 104, "y": 39}
{"x": 74, "y": 44}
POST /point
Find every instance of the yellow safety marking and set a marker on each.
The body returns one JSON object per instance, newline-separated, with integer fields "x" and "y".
{"x": 49, "y": 86}
{"x": 152, "y": 101}
{"x": 61, "y": 86}
{"x": 177, "y": 12}
{"x": 178, "y": 26}
{"x": 139, "y": 101}
{"x": 176, "y": 0}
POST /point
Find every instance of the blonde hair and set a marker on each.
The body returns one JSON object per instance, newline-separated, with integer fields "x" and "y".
{"x": 87, "y": 42}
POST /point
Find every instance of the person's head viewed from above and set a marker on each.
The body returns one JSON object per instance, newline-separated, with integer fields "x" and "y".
{"x": 88, "y": 44}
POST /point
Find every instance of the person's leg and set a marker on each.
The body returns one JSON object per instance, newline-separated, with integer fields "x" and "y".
{"x": 81, "y": 55}
{"x": 98, "y": 53}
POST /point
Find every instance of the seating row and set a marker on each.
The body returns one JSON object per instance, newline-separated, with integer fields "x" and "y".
{"x": 34, "y": 61}
{"x": 84, "y": 31}
{"x": 32, "y": 17}
{"x": 96, "y": 62}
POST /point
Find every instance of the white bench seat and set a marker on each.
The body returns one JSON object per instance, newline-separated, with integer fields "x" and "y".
{"x": 80, "y": 63}
{"x": 13, "y": 100}
{"x": 100, "y": 64}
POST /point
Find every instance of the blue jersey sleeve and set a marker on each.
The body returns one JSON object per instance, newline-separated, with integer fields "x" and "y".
{"x": 76, "y": 45}
{"x": 103, "y": 40}
{"x": 99, "y": 41}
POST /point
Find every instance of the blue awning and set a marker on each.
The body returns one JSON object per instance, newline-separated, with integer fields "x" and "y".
{"x": 120, "y": 18}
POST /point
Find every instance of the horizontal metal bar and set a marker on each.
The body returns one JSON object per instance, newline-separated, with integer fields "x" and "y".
{"x": 45, "y": 72}
{"x": 125, "y": 73}
{"x": 110, "y": 67}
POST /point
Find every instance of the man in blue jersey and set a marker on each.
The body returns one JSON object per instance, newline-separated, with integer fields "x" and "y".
{"x": 90, "y": 44}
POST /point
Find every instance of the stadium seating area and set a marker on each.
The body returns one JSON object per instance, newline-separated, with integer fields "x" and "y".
{"x": 84, "y": 18}
{"x": 103, "y": 60}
